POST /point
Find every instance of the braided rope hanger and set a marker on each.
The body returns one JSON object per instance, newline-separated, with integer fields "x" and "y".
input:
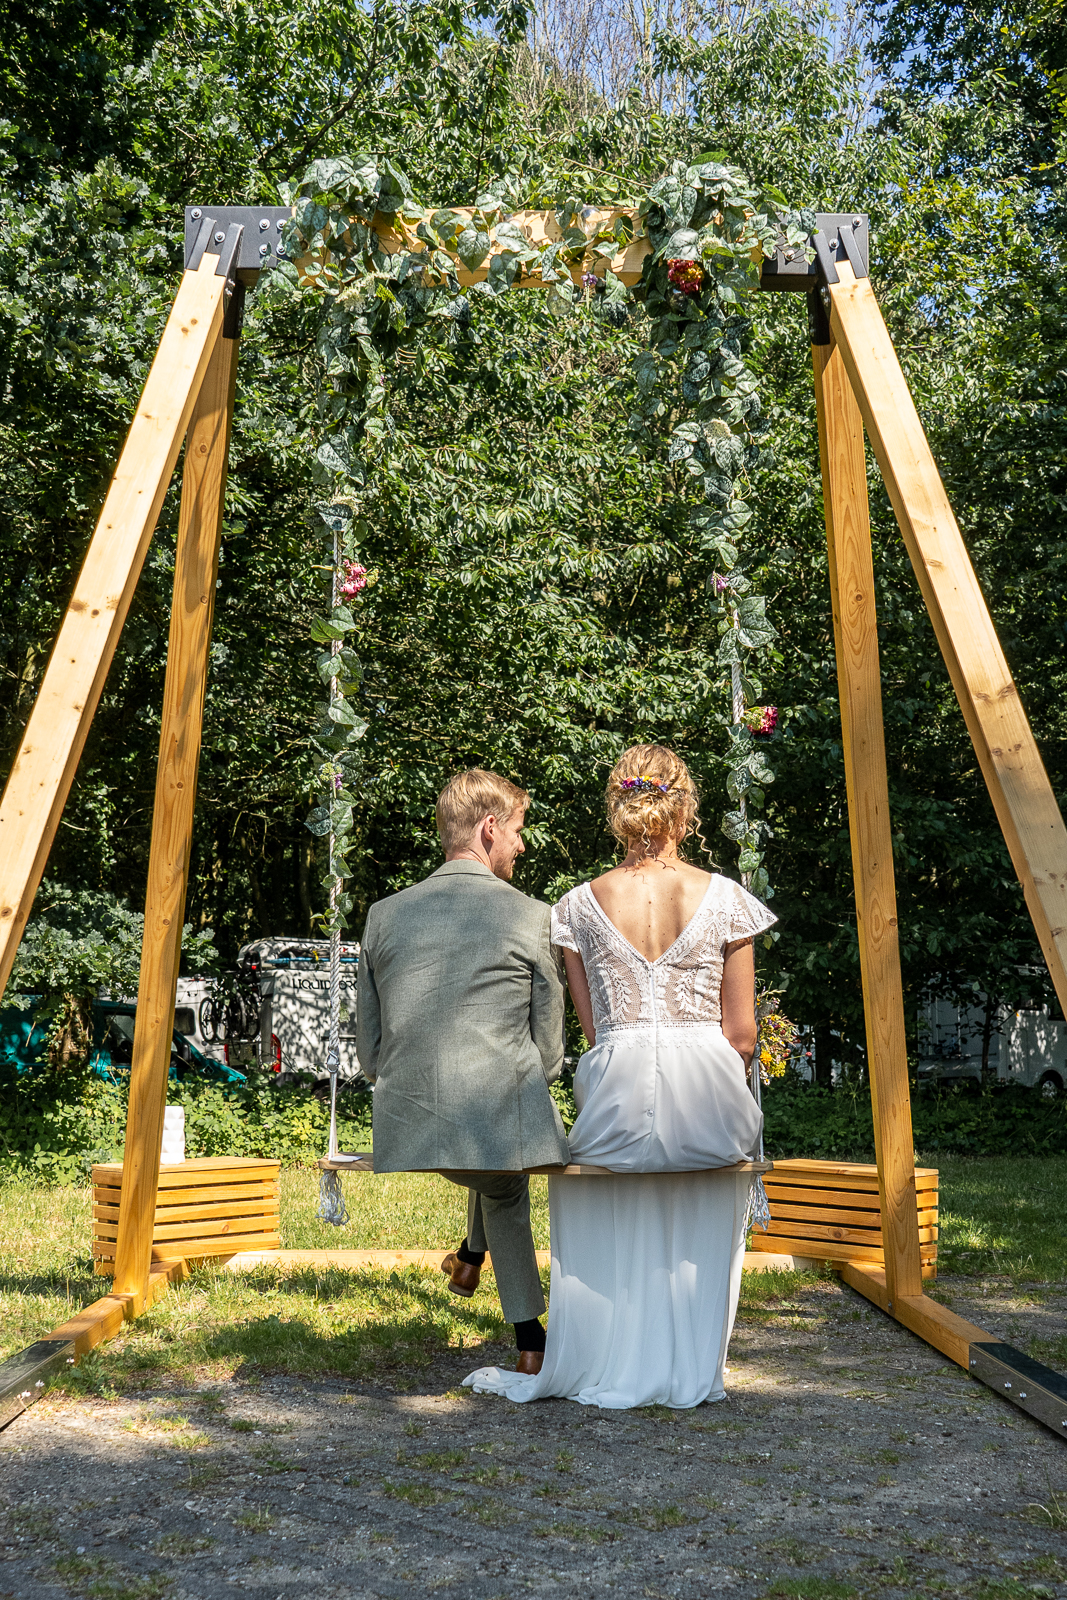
{"x": 332, "y": 1206}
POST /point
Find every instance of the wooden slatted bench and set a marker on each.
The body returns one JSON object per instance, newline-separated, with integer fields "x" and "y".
{"x": 828, "y": 1211}
{"x": 210, "y": 1206}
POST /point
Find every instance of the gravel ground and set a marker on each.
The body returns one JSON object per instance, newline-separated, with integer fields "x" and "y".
{"x": 848, "y": 1459}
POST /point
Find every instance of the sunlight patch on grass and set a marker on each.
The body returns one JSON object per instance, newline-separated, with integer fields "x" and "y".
{"x": 1003, "y": 1216}
{"x": 355, "y": 1325}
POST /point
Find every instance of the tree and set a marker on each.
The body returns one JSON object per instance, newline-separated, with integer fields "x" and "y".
{"x": 76, "y": 944}
{"x": 535, "y": 602}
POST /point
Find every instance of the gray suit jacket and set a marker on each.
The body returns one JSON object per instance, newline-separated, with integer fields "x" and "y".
{"x": 459, "y": 1025}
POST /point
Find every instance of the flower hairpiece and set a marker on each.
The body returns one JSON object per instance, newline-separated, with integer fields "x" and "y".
{"x": 645, "y": 782}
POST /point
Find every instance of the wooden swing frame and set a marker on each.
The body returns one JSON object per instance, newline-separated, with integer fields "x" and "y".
{"x": 859, "y": 385}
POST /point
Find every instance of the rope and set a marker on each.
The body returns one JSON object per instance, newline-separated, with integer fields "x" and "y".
{"x": 757, "y": 1208}
{"x": 332, "y": 1207}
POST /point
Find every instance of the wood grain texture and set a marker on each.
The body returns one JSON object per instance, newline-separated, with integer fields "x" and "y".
{"x": 205, "y": 1211}
{"x": 196, "y": 1171}
{"x": 848, "y": 538}
{"x": 822, "y": 1228}
{"x": 55, "y": 735}
{"x": 540, "y": 228}
{"x": 856, "y": 1199}
{"x": 1007, "y": 753}
{"x": 190, "y": 1249}
{"x": 840, "y": 1174}
{"x": 195, "y": 570}
{"x": 935, "y": 1323}
{"x": 867, "y": 1255}
{"x": 872, "y": 1220}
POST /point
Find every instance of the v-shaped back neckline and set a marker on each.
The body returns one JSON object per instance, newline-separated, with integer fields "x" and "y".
{"x": 629, "y": 942}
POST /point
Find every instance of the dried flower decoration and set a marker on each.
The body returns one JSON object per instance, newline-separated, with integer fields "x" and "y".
{"x": 639, "y": 785}
{"x": 762, "y": 719}
{"x": 353, "y": 579}
{"x": 777, "y": 1041}
{"x": 686, "y": 276}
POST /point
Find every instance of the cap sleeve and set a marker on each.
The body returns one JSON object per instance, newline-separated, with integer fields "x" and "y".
{"x": 562, "y": 927}
{"x": 747, "y": 915}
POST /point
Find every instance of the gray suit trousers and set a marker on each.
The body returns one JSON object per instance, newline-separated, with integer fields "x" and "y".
{"x": 498, "y": 1220}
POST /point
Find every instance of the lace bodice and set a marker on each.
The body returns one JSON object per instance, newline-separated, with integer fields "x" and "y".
{"x": 682, "y": 987}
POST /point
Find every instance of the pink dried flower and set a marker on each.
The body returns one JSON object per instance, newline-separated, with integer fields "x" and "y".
{"x": 688, "y": 276}
{"x": 353, "y": 579}
{"x": 719, "y": 583}
{"x": 762, "y": 719}
{"x": 590, "y": 280}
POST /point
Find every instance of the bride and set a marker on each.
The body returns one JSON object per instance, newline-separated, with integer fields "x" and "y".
{"x": 646, "y": 1263}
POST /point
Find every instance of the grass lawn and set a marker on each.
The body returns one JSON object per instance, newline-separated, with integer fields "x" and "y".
{"x": 1004, "y": 1218}
{"x": 999, "y": 1218}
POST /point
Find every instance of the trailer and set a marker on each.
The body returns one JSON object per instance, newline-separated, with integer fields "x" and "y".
{"x": 293, "y": 978}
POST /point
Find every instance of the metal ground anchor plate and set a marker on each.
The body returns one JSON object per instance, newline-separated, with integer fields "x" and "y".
{"x": 24, "y": 1376}
{"x": 1028, "y": 1384}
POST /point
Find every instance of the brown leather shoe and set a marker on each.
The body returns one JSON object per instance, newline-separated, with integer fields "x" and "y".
{"x": 530, "y": 1362}
{"x": 462, "y": 1276}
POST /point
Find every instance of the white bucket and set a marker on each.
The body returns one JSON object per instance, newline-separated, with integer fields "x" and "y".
{"x": 173, "y": 1134}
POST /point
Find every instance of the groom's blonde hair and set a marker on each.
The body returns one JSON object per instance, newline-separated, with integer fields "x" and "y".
{"x": 470, "y": 797}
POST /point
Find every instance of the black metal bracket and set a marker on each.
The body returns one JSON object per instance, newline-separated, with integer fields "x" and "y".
{"x": 791, "y": 270}
{"x": 261, "y": 234}
{"x": 856, "y": 257}
{"x": 1028, "y": 1384}
{"x": 818, "y": 320}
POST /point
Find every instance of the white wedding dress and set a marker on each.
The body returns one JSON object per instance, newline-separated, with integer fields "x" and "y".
{"x": 646, "y": 1265}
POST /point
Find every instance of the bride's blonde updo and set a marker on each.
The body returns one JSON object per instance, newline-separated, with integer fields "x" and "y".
{"x": 651, "y": 797}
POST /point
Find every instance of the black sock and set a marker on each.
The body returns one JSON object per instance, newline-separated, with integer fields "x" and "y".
{"x": 472, "y": 1258}
{"x": 529, "y": 1335}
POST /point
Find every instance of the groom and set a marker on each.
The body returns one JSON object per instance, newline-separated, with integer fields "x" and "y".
{"x": 459, "y": 1026}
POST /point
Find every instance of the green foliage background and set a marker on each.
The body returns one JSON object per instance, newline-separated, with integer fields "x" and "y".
{"x": 53, "y": 1127}
{"x": 536, "y": 604}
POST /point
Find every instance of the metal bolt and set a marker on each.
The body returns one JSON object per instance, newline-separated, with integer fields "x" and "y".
{"x": 264, "y": 249}
{"x": 278, "y": 225}
{"x": 264, "y": 224}
{"x": 790, "y": 254}
{"x": 1022, "y": 1394}
{"x": 832, "y": 244}
{"x": 1007, "y": 1386}
{"x": 974, "y": 1363}
{"x": 219, "y": 237}
{"x": 196, "y": 213}
{"x": 856, "y": 221}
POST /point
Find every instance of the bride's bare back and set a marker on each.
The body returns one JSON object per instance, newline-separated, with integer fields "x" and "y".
{"x": 651, "y": 902}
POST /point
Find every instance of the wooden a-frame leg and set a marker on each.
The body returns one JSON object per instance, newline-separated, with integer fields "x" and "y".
{"x": 1007, "y": 752}
{"x": 848, "y": 538}
{"x": 195, "y": 569}
{"x": 55, "y": 735}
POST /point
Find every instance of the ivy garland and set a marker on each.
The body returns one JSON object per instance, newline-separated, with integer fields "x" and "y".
{"x": 380, "y": 273}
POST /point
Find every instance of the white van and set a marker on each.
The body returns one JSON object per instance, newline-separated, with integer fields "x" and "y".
{"x": 1027, "y": 1044}
{"x": 221, "y": 1017}
{"x": 293, "y": 977}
